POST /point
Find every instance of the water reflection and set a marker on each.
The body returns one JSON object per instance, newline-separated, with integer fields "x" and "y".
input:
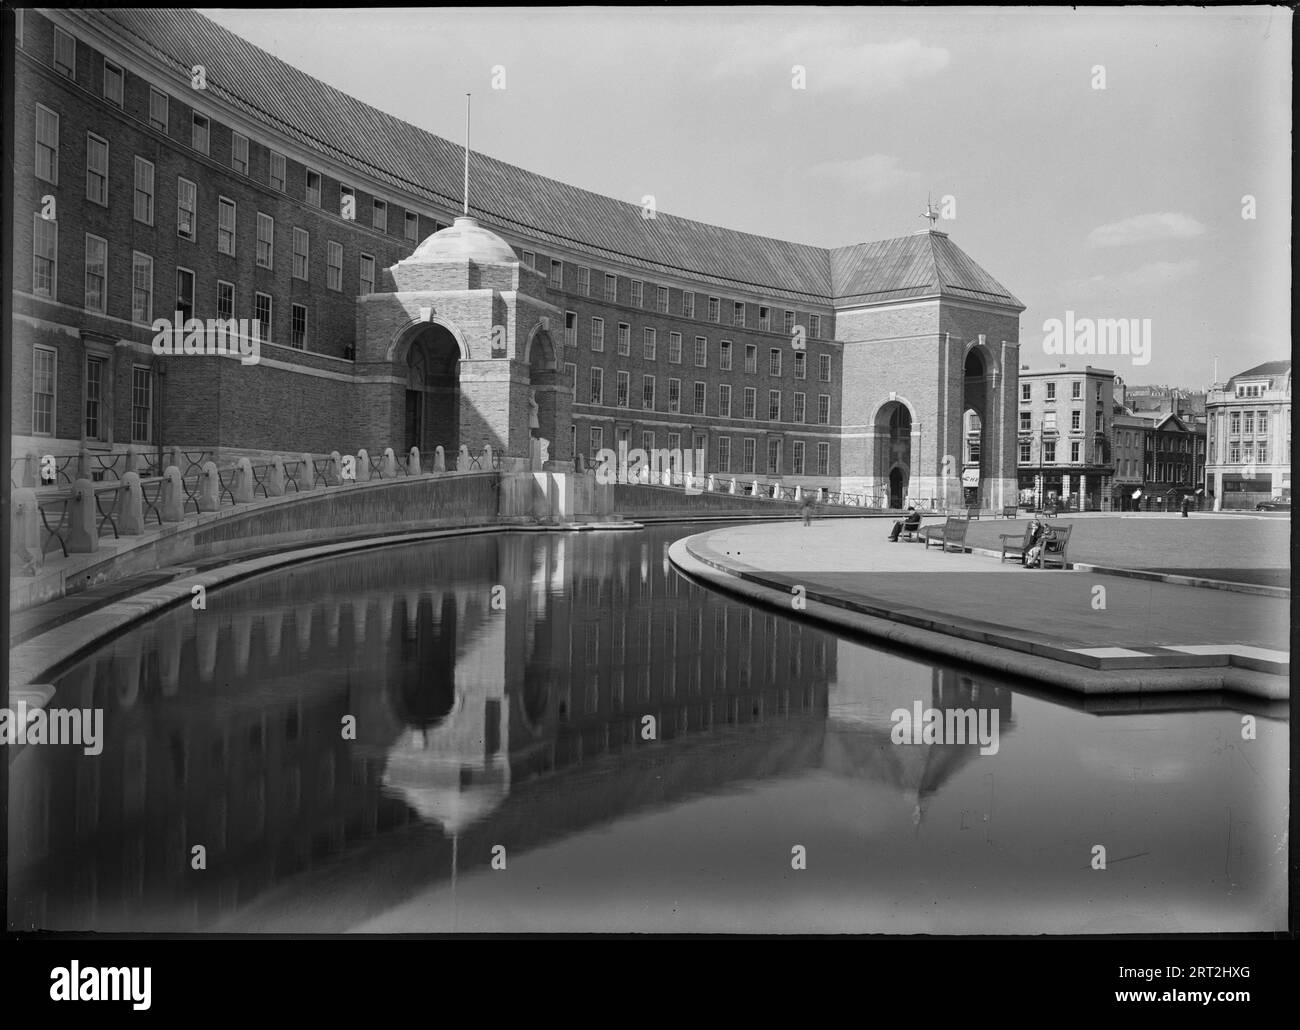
{"x": 406, "y": 709}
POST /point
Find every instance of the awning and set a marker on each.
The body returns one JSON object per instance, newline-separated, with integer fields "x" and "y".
{"x": 970, "y": 477}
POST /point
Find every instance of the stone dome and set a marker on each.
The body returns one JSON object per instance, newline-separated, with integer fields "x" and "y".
{"x": 462, "y": 242}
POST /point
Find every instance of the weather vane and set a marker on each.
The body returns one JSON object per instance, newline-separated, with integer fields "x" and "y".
{"x": 929, "y": 212}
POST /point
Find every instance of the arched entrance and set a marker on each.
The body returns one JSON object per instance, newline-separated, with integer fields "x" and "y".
{"x": 894, "y": 451}
{"x": 974, "y": 457}
{"x": 543, "y": 381}
{"x": 432, "y": 415}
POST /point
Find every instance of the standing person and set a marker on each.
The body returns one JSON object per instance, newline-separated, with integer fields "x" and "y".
{"x": 1187, "y": 504}
{"x": 807, "y": 509}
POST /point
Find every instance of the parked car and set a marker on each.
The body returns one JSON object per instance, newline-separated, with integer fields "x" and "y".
{"x": 1275, "y": 504}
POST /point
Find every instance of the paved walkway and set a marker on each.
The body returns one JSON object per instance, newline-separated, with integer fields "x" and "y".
{"x": 1046, "y": 613}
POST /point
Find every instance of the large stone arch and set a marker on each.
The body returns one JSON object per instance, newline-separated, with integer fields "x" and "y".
{"x": 431, "y": 408}
{"x": 895, "y": 450}
{"x": 402, "y": 336}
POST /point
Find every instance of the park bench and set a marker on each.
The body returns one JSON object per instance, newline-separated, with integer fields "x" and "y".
{"x": 1015, "y": 544}
{"x": 953, "y": 531}
{"x": 1055, "y": 544}
{"x": 972, "y": 513}
{"x": 911, "y": 528}
{"x": 1009, "y": 511}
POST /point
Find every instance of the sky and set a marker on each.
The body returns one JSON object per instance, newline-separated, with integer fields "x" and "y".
{"x": 1127, "y": 201}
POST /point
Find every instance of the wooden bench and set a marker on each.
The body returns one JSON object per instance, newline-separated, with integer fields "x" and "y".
{"x": 1009, "y": 511}
{"x": 1015, "y": 544}
{"x": 1055, "y": 545}
{"x": 953, "y": 531}
{"x": 972, "y": 513}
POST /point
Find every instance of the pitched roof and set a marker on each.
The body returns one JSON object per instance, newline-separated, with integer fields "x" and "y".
{"x": 1269, "y": 368}
{"x": 326, "y": 120}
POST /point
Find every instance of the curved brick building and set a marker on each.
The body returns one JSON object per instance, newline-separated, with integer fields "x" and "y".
{"x": 553, "y": 312}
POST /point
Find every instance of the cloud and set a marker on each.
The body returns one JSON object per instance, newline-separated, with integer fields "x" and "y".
{"x": 1152, "y": 275}
{"x": 1167, "y": 225}
{"x": 873, "y": 173}
{"x": 832, "y": 62}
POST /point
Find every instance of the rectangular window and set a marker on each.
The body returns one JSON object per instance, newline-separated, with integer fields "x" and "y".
{"x": 674, "y": 348}
{"x": 1234, "y": 423}
{"x": 622, "y": 388}
{"x": 366, "y": 268}
{"x": 96, "y": 273}
{"x": 715, "y": 309}
{"x": 379, "y": 215}
{"x": 571, "y": 329}
{"x": 1076, "y": 419}
{"x": 1024, "y": 391}
{"x": 347, "y": 203}
{"x": 674, "y": 395}
{"x": 796, "y": 457}
{"x": 334, "y": 265}
{"x": 688, "y": 305}
{"x": 96, "y": 169}
{"x": 738, "y": 314}
{"x": 774, "y": 456}
{"x": 94, "y": 398}
{"x": 1051, "y": 391}
{"x": 277, "y": 173}
{"x": 724, "y": 454}
{"x": 265, "y": 240}
{"x": 263, "y": 312}
{"x": 557, "y": 273}
{"x": 1026, "y": 418}
{"x": 699, "y": 398}
{"x": 226, "y": 226}
{"x": 789, "y": 323}
{"x": 1049, "y": 420}
{"x": 597, "y": 334}
{"x": 774, "y": 405}
{"x": 141, "y": 404}
{"x": 724, "y": 355}
{"x": 141, "y": 287}
{"x": 313, "y": 191}
{"x": 774, "y": 362}
{"x": 158, "y": 111}
{"x": 724, "y": 400}
{"x": 800, "y": 405}
{"x": 1074, "y": 450}
{"x": 597, "y": 441}
{"x": 823, "y": 459}
{"x": 1249, "y": 426}
{"x": 764, "y": 318}
{"x": 411, "y": 226}
{"x": 225, "y": 299}
{"x": 624, "y": 341}
{"x": 647, "y": 445}
{"x": 649, "y": 344}
{"x": 1076, "y": 389}
{"x": 112, "y": 83}
{"x": 571, "y": 372}
{"x": 638, "y": 293}
{"x": 1024, "y": 453}
{"x": 45, "y": 255}
{"x": 187, "y": 203}
{"x": 1049, "y": 452}
{"x": 814, "y": 327}
{"x": 648, "y": 392}
{"x": 823, "y": 368}
{"x": 199, "y": 134}
{"x": 823, "y": 409}
{"x": 661, "y": 300}
{"x": 750, "y": 409}
{"x": 701, "y": 352}
{"x": 748, "y": 465}
{"x": 65, "y": 53}
{"x": 239, "y": 153}
{"x": 298, "y": 326}
{"x": 611, "y": 288}
{"x": 44, "y": 364}
{"x": 597, "y": 386}
{"x": 584, "y": 281}
{"x": 184, "y": 294}
{"x": 1263, "y": 424}
{"x": 47, "y": 145}
{"x": 801, "y": 364}
{"x": 751, "y": 358}
{"x": 301, "y": 245}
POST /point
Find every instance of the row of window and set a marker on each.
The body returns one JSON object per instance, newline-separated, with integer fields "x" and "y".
{"x": 1240, "y": 422}
{"x": 1049, "y": 421}
{"x": 1239, "y": 454}
{"x": 723, "y": 444}
{"x": 45, "y": 363}
{"x": 1076, "y": 390}
{"x": 1025, "y": 455}
{"x": 749, "y": 410}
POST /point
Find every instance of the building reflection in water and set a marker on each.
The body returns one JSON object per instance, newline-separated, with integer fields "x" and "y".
{"x": 230, "y": 727}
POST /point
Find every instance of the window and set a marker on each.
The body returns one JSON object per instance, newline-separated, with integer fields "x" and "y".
{"x": 724, "y": 454}
{"x": 649, "y": 345}
{"x": 225, "y": 299}
{"x": 724, "y": 400}
{"x": 313, "y": 191}
{"x": 823, "y": 459}
{"x": 738, "y": 314}
{"x": 764, "y": 317}
{"x": 298, "y": 326}
{"x": 347, "y": 203}
{"x": 44, "y": 363}
{"x": 45, "y": 255}
{"x": 1075, "y": 445}
{"x": 701, "y": 352}
{"x": 1024, "y": 391}
{"x": 748, "y": 465}
{"x": 796, "y": 458}
{"x": 674, "y": 348}
{"x": 141, "y": 404}
{"x": 800, "y": 364}
{"x": 199, "y": 134}
{"x": 638, "y": 293}
{"x": 1263, "y": 424}
{"x": 584, "y": 281}
{"x": 774, "y": 456}
{"x": 715, "y": 309}
{"x": 1249, "y": 426}
{"x": 699, "y": 398}
{"x": 65, "y": 53}
{"x": 1234, "y": 423}
{"x": 1026, "y": 421}
{"x": 597, "y": 386}
{"x": 1261, "y": 451}
{"x": 263, "y": 311}
{"x": 1024, "y": 453}
{"x": 184, "y": 294}
{"x": 751, "y": 358}
{"x": 622, "y": 387}
{"x": 611, "y": 288}
{"x": 597, "y": 439}
{"x": 96, "y": 169}
{"x": 239, "y": 153}
{"x": 301, "y": 243}
{"x": 1051, "y": 391}
{"x": 597, "y": 334}
{"x": 379, "y": 215}
{"x": 774, "y": 362}
{"x": 1076, "y": 418}
{"x": 1076, "y": 389}
{"x": 158, "y": 105}
{"x": 800, "y": 404}
{"x": 334, "y": 265}
{"x": 751, "y": 403}
{"x": 1049, "y": 421}
{"x": 688, "y": 305}
{"x": 112, "y": 83}
{"x": 774, "y": 405}
{"x": 661, "y": 300}
{"x": 96, "y": 273}
{"x": 823, "y": 368}
{"x": 265, "y": 240}
{"x": 557, "y": 273}
{"x": 95, "y": 426}
{"x": 823, "y": 409}
{"x": 674, "y": 395}
{"x": 648, "y": 392}
{"x": 277, "y": 174}
{"x": 1049, "y": 452}
{"x": 624, "y": 340}
{"x": 724, "y": 355}
{"x": 530, "y": 259}
{"x": 47, "y": 145}
{"x": 814, "y": 327}
{"x": 187, "y": 209}
{"x": 141, "y": 287}
{"x": 366, "y": 267}
{"x": 647, "y": 445}
{"x": 571, "y": 371}
{"x": 226, "y": 226}
{"x": 571, "y": 329}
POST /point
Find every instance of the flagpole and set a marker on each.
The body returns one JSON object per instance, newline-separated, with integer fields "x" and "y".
{"x": 466, "y": 207}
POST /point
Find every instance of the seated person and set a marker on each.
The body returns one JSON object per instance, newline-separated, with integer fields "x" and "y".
{"x": 1034, "y": 552}
{"x": 910, "y": 524}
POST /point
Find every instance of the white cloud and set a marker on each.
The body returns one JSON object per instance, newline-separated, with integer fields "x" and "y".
{"x": 873, "y": 173}
{"x": 1152, "y": 275}
{"x": 1167, "y": 225}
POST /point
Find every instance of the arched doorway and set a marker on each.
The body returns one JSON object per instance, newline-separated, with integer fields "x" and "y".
{"x": 974, "y": 457}
{"x": 894, "y": 451}
{"x": 543, "y": 381}
{"x": 432, "y": 415}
